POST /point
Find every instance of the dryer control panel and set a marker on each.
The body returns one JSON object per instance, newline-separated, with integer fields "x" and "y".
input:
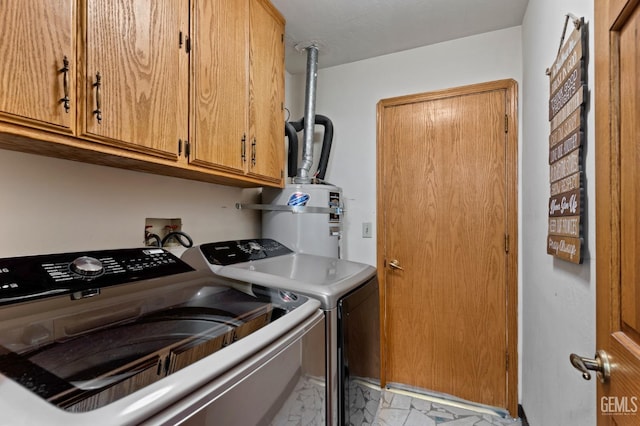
{"x": 237, "y": 251}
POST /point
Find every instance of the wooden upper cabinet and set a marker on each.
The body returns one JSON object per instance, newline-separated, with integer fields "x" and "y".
{"x": 219, "y": 85}
{"x": 35, "y": 38}
{"x": 135, "y": 74}
{"x": 237, "y": 89}
{"x": 266, "y": 92}
{"x": 184, "y": 88}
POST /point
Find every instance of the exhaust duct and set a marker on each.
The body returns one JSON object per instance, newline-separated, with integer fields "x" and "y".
{"x": 304, "y": 175}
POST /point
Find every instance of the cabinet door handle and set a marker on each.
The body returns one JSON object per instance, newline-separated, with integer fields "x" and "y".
{"x": 243, "y": 149}
{"x": 65, "y": 84}
{"x": 98, "y": 112}
{"x": 253, "y": 152}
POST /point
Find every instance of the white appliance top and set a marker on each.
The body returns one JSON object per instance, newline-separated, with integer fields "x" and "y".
{"x": 267, "y": 262}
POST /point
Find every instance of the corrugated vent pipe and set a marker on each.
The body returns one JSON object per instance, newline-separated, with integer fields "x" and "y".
{"x": 303, "y": 175}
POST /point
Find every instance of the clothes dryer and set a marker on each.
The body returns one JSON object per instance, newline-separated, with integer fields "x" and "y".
{"x": 347, "y": 291}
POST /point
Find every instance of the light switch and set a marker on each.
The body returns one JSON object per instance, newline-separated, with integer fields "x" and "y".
{"x": 367, "y": 230}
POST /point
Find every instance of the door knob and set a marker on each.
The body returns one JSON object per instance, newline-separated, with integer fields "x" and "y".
{"x": 394, "y": 264}
{"x": 600, "y": 364}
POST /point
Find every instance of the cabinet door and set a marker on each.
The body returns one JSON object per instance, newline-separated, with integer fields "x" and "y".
{"x": 266, "y": 92}
{"x": 219, "y": 89}
{"x": 136, "y": 74}
{"x": 35, "y": 38}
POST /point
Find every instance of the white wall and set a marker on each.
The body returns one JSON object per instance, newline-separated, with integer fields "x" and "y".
{"x": 348, "y": 95}
{"x": 51, "y": 205}
{"x": 559, "y": 297}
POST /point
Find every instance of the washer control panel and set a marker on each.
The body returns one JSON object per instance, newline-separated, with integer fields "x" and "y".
{"x": 35, "y": 277}
{"x": 238, "y": 251}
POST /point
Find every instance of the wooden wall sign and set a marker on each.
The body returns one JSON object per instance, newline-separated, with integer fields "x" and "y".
{"x": 566, "y": 204}
{"x": 568, "y": 95}
{"x": 565, "y": 248}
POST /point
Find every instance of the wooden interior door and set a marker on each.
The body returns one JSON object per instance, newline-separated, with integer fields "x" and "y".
{"x": 618, "y": 207}
{"x": 447, "y": 251}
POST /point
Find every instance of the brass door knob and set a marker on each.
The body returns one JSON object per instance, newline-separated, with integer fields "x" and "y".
{"x": 600, "y": 364}
{"x": 394, "y": 264}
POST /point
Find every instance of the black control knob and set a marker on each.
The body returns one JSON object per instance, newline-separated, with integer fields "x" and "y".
{"x": 86, "y": 266}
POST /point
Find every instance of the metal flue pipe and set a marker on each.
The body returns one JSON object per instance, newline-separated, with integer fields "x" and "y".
{"x": 303, "y": 175}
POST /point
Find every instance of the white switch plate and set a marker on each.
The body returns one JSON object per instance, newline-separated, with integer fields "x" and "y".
{"x": 367, "y": 230}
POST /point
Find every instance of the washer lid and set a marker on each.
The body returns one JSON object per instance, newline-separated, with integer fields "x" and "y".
{"x": 324, "y": 278}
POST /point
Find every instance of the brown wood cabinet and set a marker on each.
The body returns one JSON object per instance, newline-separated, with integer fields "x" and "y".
{"x": 143, "y": 90}
{"x": 135, "y": 74}
{"x": 37, "y": 39}
{"x": 237, "y": 120}
{"x": 220, "y": 79}
{"x": 266, "y": 92}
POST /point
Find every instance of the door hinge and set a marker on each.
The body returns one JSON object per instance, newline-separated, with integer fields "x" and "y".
{"x": 506, "y": 243}
{"x": 506, "y": 123}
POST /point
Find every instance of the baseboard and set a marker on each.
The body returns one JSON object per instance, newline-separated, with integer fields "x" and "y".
{"x": 522, "y": 415}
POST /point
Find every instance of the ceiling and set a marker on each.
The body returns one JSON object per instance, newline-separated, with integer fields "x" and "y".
{"x": 352, "y": 30}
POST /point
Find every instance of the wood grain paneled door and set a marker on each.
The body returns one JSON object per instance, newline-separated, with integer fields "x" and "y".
{"x": 618, "y": 207}
{"x": 447, "y": 248}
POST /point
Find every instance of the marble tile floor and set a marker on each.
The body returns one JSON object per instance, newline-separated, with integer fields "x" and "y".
{"x": 399, "y": 408}
{"x": 372, "y": 406}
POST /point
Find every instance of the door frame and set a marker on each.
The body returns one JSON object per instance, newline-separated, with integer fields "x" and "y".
{"x": 511, "y": 238}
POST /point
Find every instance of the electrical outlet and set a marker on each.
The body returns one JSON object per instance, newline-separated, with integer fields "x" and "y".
{"x": 367, "y": 230}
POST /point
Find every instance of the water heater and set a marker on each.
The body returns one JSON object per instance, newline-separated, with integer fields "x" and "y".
{"x": 307, "y": 218}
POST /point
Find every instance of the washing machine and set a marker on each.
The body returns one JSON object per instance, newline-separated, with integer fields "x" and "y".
{"x": 348, "y": 294}
{"x": 137, "y": 336}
